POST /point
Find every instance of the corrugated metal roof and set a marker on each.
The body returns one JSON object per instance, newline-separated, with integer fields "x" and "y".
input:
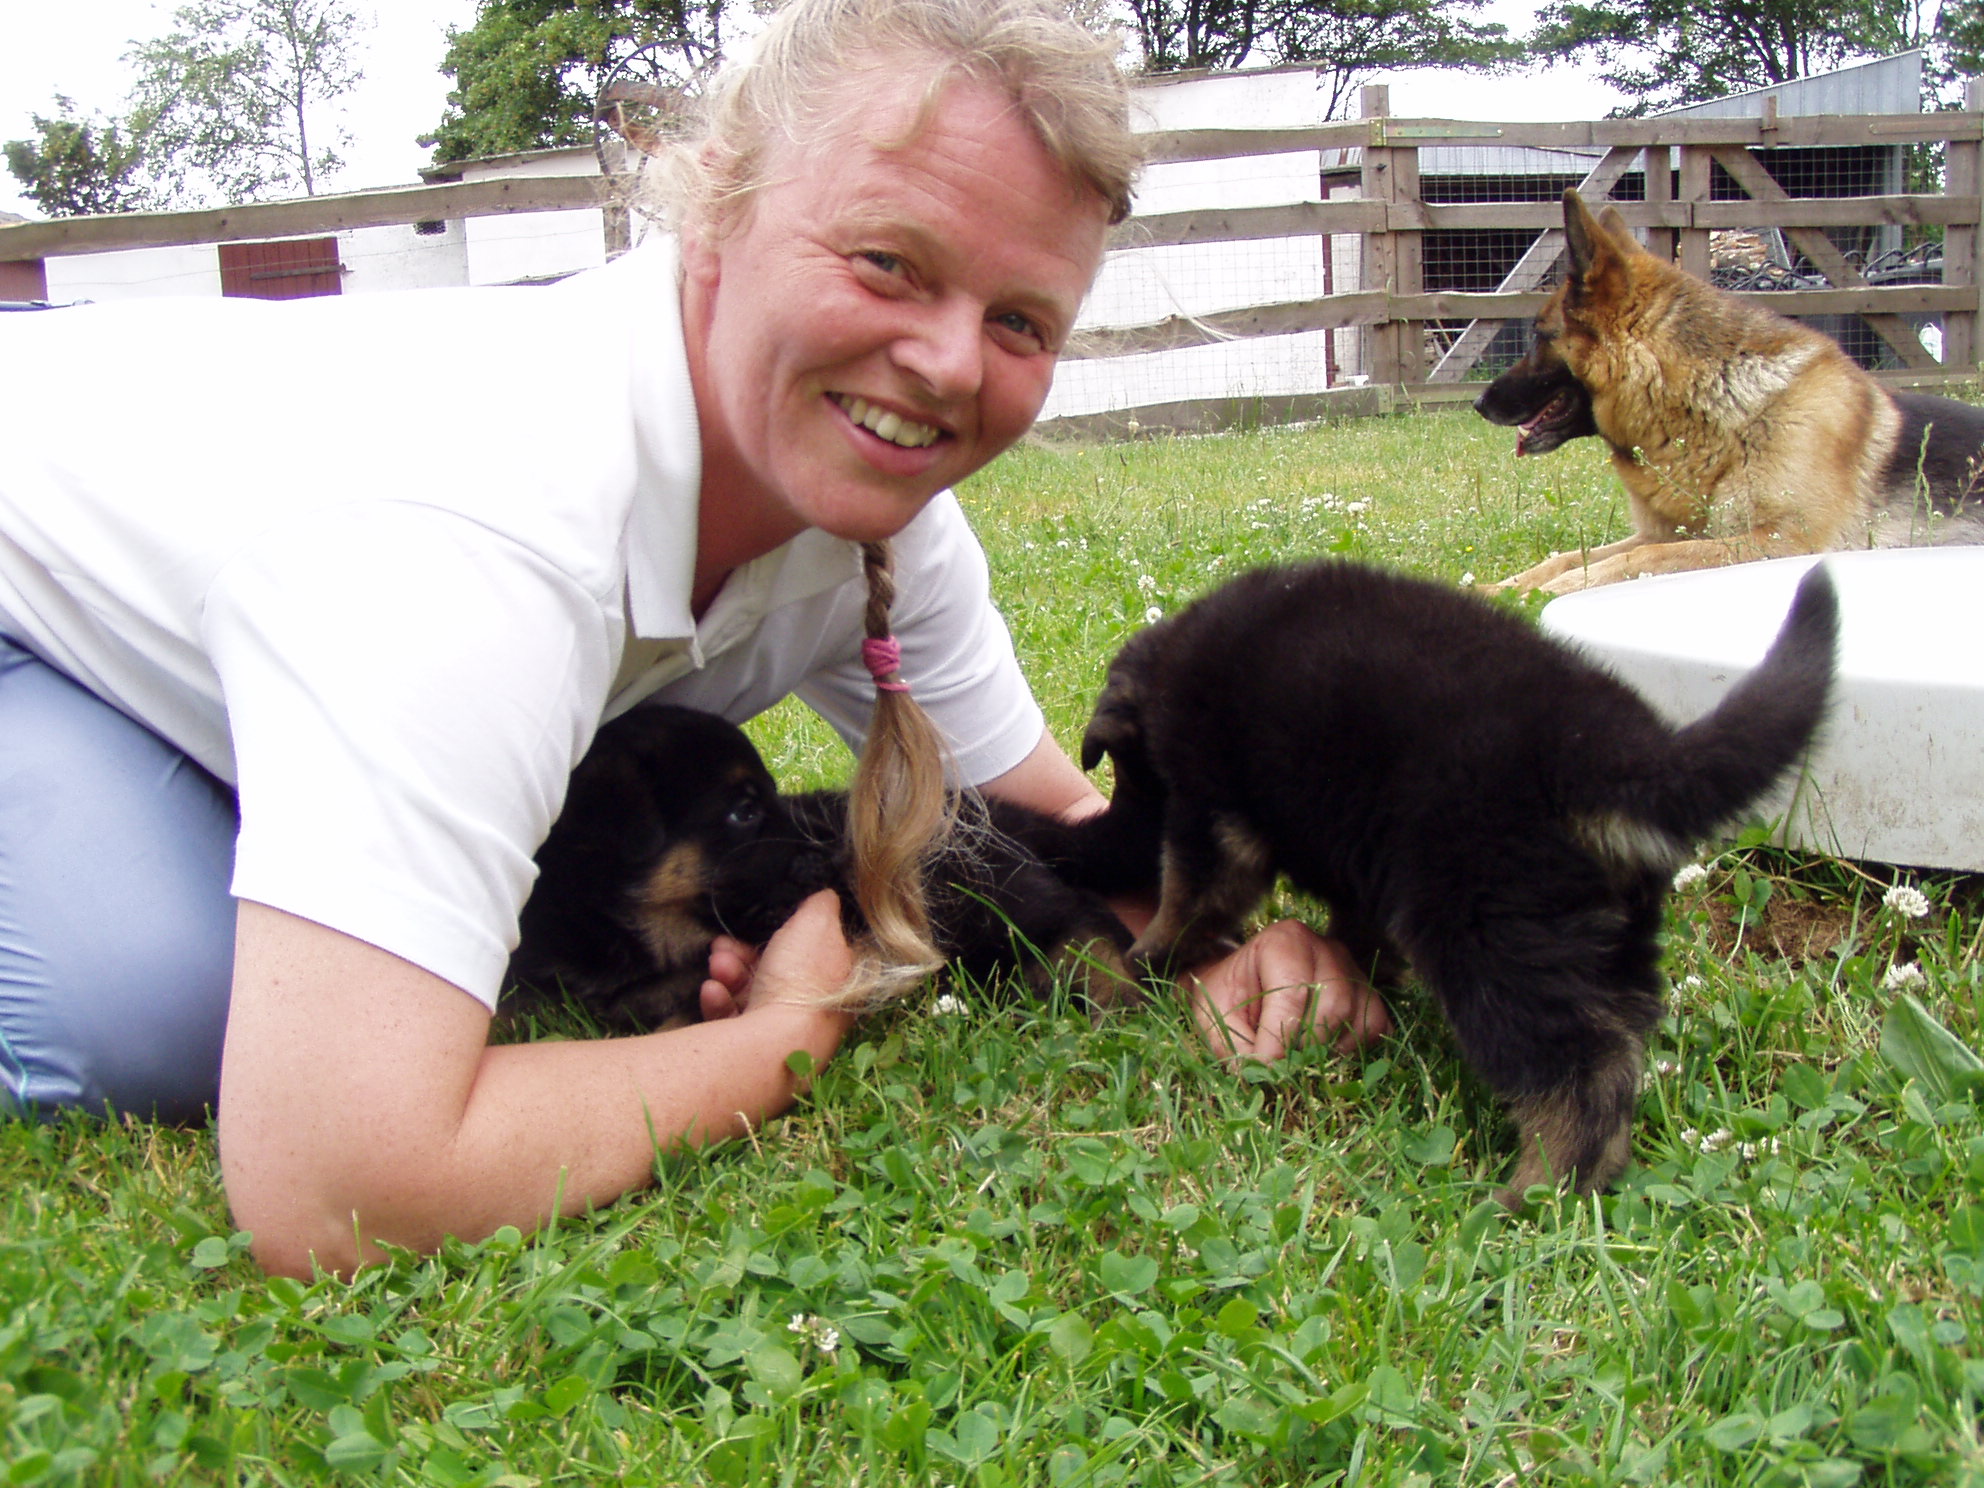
{"x": 1886, "y": 85}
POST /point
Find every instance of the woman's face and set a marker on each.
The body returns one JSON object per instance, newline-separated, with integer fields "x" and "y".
{"x": 883, "y": 322}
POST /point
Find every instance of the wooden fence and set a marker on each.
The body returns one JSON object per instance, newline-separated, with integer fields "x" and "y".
{"x": 1419, "y": 344}
{"x": 1426, "y": 345}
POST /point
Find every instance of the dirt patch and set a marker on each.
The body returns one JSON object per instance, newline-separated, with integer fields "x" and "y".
{"x": 1791, "y": 930}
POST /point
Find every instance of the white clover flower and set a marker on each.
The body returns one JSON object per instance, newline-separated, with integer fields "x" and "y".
{"x": 1713, "y": 1141}
{"x": 1153, "y": 615}
{"x": 1357, "y": 508}
{"x": 948, "y": 1005}
{"x": 1467, "y": 578}
{"x": 1906, "y": 899}
{"x": 1765, "y": 1148}
{"x": 1689, "y": 876}
{"x": 1146, "y": 584}
{"x": 1666, "y": 1067}
{"x": 817, "y": 1331}
{"x": 1902, "y": 976}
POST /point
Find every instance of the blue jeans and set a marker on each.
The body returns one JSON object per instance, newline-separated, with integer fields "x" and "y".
{"x": 116, "y": 924}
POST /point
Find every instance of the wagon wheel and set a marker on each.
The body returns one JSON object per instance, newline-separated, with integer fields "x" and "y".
{"x": 644, "y": 105}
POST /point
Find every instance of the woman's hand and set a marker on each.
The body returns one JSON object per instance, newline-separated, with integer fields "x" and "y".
{"x": 1285, "y": 986}
{"x": 806, "y": 959}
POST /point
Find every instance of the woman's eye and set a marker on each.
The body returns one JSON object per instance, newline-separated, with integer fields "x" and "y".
{"x": 1021, "y": 329}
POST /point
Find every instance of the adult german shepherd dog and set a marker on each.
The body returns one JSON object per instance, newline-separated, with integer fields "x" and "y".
{"x": 673, "y": 832}
{"x": 1739, "y": 434}
{"x": 1464, "y": 792}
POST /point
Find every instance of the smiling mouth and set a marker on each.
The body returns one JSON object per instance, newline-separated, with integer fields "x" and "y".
{"x": 883, "y": 424}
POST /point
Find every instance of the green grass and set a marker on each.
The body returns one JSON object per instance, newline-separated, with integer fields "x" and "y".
{"x": 1052, "y": 1253}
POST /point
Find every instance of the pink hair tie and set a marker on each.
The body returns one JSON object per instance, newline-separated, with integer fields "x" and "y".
{"x": 883, "y": 657}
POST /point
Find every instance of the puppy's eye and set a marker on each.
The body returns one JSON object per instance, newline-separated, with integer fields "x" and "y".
{"x": 745, "y": 815}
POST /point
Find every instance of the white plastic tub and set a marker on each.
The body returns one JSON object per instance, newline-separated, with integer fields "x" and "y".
{"x": 1898, "y": 776}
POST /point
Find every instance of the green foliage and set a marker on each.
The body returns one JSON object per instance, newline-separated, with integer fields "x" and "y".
{"x": 1350, "y": 40}
{"x": 78, "y": 167}
{"x": 228, "y": 105}
{"x": 527, "y": 72}
{"x": 1013, "y": 1248}
{"x": 1664, "y": 53}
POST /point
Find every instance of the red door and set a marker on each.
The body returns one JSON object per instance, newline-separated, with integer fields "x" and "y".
{"x": 293, "y": 269}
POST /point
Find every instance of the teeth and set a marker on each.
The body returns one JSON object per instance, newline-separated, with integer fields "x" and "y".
{"x": 886, "y": 425}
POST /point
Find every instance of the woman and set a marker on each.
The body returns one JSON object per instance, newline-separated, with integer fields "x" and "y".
{"x": 370, "y": 572}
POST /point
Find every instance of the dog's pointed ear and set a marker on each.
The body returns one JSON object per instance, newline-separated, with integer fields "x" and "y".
{"x": 1581, "y": 232}
{"x": 1595, "y": 245}
{"x": 1621, "y": 235}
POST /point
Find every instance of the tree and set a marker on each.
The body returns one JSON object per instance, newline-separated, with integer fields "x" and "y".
{"x": 527, "y": 72}
{"x": 79, "y": 167}
{"x": 1349, "y": 40}
{"x": 1664, "y": 53}
{"x": 1352, "y": 40}
{"x": 230, "y": 103}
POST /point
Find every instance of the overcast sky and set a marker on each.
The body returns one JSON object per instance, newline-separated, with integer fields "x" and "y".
{"x": 78, "y": 48}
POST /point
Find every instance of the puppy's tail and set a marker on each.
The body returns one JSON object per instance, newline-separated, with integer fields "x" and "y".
{"x": 1724, "y": 761}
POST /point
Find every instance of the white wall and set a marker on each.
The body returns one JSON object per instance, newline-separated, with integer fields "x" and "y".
{"x": 375, "y": 258}
{"x": 135, "y": 273}
{"x": 384, "y": 258}
{"x": 1140, "y": 285}
{"x": 534, "y": 245}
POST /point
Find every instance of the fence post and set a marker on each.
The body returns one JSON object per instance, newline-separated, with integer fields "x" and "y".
{"x": 1691, "y": 249}
{"x": 1392, "y": 261}
{"x": 1962, "y": 178}
{"x": 1658, "y": 168}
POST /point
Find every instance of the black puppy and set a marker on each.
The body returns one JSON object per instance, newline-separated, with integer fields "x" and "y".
{"x": 673, "y": 832}
{"x": 1463, "y": 792}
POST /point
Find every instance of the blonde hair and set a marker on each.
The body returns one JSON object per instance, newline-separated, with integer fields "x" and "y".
{"x": 900, "y": 813}
{"x": 807, "y": 76}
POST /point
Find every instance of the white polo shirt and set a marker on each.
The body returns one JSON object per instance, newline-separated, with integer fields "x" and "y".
{"x": 377, "y": 562}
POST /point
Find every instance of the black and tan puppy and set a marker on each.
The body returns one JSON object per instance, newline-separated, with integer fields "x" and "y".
{"x": 1463, "y": 792}
{"x": 673, "y": 832}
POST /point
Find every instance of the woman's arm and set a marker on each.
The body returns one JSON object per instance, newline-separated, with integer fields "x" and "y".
{"x": 361, "y": 1102}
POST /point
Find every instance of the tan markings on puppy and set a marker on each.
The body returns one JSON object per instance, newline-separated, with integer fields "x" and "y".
{"x": 1582, "y": 1130}
{"x": 1628, "y": 844}
{"x": 667, "y": 900}
{"x": 1195, "y": 921}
